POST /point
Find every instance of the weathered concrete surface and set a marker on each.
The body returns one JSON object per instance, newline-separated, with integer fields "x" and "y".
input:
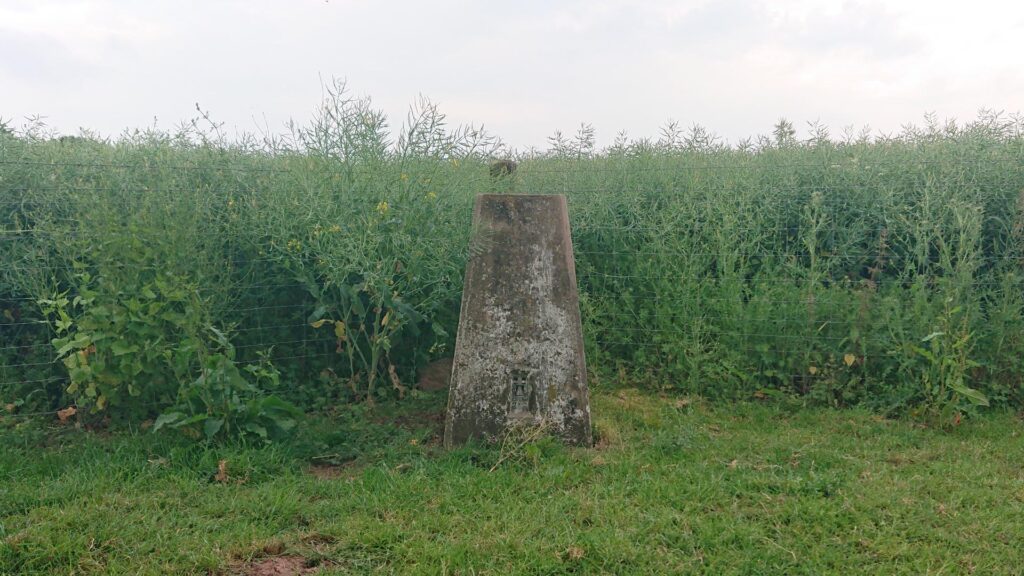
{"x": 519, "y": 351}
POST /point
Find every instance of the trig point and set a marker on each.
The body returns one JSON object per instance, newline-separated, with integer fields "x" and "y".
{"x": 519, "y": 352}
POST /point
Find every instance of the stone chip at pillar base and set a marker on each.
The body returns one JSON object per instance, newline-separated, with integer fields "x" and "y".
{"x": 519, "y": 352}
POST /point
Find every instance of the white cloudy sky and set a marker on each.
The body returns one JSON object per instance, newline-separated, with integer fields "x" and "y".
{"x": 521, "y": 68}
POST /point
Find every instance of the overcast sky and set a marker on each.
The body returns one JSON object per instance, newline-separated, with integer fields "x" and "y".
{"x": 522, "y": 68}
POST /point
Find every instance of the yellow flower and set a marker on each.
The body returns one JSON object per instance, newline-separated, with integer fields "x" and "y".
{"x": 382, "y": 207}
{"x": 404, "y": 176}
{"x": 335, "y": 228}
{"x": 431, "y": 195}
{"x": 294, "y": 245}
{"x": 231, "y": 202}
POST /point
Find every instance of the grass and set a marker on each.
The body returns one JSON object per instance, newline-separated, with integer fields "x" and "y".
{"x": 673, "y": 486}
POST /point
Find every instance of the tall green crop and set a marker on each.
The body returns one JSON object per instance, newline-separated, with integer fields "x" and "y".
{"x": 884, "y": 272}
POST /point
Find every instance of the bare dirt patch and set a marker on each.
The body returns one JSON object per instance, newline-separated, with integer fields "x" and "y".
{"x": 346, "y": 471}
{"x": 435, "y": 376}
{"x": 280, "y": 566}
{"x": 433, "y": 421}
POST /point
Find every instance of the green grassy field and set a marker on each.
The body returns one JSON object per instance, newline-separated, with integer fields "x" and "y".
{"x": 674, "y": 485}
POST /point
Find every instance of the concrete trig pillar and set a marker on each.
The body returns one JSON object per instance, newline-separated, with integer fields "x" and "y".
{"x": 519, "y": 351}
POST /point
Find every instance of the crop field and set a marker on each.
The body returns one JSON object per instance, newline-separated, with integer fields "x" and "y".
{"x": 181, "y": 289}
{"x": 883, "y": 273}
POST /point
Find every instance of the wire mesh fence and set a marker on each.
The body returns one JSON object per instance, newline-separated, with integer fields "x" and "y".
{"x": 886, "y": 274}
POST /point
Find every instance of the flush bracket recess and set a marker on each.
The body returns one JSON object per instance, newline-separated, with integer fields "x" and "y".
{"x": 523, "y": 392}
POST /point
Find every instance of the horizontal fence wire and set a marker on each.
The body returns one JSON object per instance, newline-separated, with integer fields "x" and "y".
{"x": 37, "y": 164}
{"x": 796, "y": 293}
